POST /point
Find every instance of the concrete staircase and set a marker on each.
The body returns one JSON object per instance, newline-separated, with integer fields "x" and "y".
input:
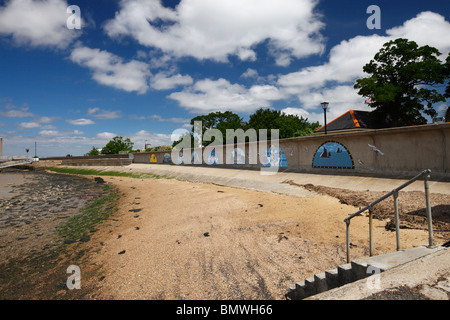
{"x": 354, "y": 271}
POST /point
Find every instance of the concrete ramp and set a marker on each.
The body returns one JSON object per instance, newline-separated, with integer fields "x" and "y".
{"x": 14, "y": 163}
{"x": 254, "y": 179}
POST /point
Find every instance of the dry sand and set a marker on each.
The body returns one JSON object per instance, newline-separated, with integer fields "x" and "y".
{"x": 202, "y": 241}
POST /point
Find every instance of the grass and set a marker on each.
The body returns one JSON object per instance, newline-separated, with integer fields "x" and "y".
{"x": 108, "y": 173}
{"x": 91, "y": 215}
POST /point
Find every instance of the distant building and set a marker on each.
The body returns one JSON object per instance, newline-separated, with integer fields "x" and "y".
{"x": 351, "y": 121}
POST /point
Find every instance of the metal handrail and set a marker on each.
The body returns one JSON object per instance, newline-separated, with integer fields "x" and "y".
{"x": 394, "y": 193}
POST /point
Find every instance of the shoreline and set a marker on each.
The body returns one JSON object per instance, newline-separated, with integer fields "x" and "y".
{"x": 32, "y": 238}
{"x": 172, "y": 239}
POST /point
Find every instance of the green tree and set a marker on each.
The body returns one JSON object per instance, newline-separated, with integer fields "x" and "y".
{"x": 93, "y": 152}
{"x": 288, "y": 125}
{"x": 118, "y": 144}
{"x": 221, "y": 121}
{"x": 447, "y": 74}
{"x": 399, "y": 83}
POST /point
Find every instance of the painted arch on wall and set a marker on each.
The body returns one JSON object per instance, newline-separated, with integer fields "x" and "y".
{"x": 333, "y": 155}
{"x": 274, "y": 157}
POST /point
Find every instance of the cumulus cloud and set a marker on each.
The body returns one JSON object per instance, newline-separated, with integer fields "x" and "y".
{"x": 110, "y": 70}
{"x": 37, "y": 23}
{"x": 215, "y": 30}
{"x": 221, "y": 95}
{"x": 333, "y": 81}
{"x": 80, "y": 122}
{"x": 164, "y": 81}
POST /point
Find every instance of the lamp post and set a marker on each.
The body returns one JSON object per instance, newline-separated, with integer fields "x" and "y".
{"x": 324, "y": 107}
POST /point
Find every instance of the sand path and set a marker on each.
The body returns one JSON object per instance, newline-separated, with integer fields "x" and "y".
{"x": 202, "y": 241}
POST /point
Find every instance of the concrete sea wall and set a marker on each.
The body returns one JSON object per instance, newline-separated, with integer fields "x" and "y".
{"x": 383, "y": 152}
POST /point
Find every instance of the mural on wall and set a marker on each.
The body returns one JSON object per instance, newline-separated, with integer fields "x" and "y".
{"x": 274, "y": 157}
{"x": 237, "y": 156}
{"x": 195, "y": 158}
{"x": 212, "y": 158}
{"x": 153, "y": 158}
{"x": 167, "y": 158}
{"x": 333, "y": 155}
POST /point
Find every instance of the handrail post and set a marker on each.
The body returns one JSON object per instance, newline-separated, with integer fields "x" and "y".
{"x": 370, "y": 231}
{"x": 397, "y": 219}
{"x": 428, "y": 209}
{"x": 348, "y": 240}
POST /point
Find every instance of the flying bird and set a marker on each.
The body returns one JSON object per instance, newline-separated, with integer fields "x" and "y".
{"x": 376, "y": 150}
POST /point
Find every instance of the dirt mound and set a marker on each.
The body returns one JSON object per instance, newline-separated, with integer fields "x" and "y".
{"x": 411, "y": 207}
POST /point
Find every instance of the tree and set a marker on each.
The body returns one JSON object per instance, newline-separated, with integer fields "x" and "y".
{"x": 401, "y": 74}
{"x": 118, "y": 144}
{"x": 214, "y": 120}
{"x": 93, "y": 152}
{"x": 288, "y": 125}
{"x": 447, "y": 74}
{"x": 221, "y": 121}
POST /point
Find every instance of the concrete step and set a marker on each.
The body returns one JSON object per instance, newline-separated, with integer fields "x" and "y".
{"x": 354, "y": 271}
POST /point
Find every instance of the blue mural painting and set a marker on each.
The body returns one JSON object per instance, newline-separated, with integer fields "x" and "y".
{"x": 333, "y": 155}
{"x": 237, "y": 156}
{"x": 212, "y": 158}
{"x": 274, "y": 157}
{"x": 195, "y": 159}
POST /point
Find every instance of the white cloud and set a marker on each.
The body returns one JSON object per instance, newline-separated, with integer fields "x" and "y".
{"x": 29, "y": 125}
{"x": 214, "y": 30}
{"x": 16, "y": 114}
{"x": 80, "y": 122}
{"x": 163, "y": 81}
{"x": 98, "y": 113}
{"x": 427, "y": 28}
{"x": 161, "y": 119}
{"x": 220, "y": 95}
{"x": 37, "y": 23}
{"x": 105, "y": 135}
{"x": 250, "y": 73}
{"x": 311, "y": 85}
{"x": 54, "y": 133}
{"x": 110, "y": 70}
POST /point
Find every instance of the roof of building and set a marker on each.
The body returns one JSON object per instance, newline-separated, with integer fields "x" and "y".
{"x": 351, "y": 120}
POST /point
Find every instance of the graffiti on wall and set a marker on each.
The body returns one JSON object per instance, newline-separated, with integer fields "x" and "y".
{"x": 274, "y": 157}
{"x": 333, "y": 155}
{"x": 153, "y": 158}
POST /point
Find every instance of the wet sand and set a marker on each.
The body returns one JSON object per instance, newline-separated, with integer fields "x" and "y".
{"x": 8, "y": 181}
{"x": 33, "y": 204}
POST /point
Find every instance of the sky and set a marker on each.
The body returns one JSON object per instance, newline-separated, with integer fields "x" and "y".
{"x": 141, "y": 69}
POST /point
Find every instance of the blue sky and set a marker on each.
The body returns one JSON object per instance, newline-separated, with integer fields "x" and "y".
{"x": 143, "y": 68}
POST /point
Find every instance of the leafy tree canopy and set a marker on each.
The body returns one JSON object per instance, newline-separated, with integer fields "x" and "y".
{"x": 288, "y": 125}
{"x": 118, "y": 144}
{"x": 399, "y": 83}
{"x": 93, "y": 152}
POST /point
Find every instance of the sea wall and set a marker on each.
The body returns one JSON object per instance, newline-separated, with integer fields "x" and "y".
{"x": 384, "y": 152}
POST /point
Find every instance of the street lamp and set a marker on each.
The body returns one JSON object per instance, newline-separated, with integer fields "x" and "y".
{"x": 324, "y": 107}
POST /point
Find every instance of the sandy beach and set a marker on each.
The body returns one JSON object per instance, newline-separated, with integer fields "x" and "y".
{"x": 175, "y": 240}
{"x": 182, "y": 240}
